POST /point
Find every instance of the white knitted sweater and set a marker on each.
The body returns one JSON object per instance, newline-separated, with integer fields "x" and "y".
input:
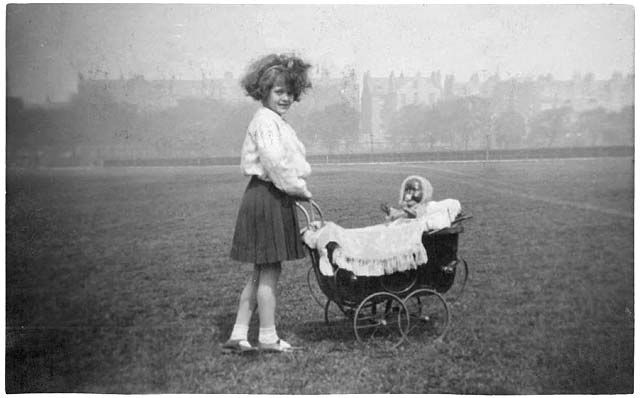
{"x": 272, "y": 151}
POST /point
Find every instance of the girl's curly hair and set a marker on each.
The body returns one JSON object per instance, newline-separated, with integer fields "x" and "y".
{"x": 262, "y": 74}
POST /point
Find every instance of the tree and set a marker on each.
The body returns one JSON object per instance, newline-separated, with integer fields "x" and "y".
{"x": 589, "y": 127}
{"x": 436, "y": 128}
{"x": 601, "y": 127}
{"x": 409, "y": 123}
{"x": 458, "y": 120}
{"x": 23, "y": 129}
{"x": 448, "y": 119}
{"x": 462, "y": 120}
{"x": 624, "y": 122}
{"x": 229, "y": 131}
{"x": 478, "y": 120}
{"x": 509, "y": 129}
{"x": 548, "y": 126}
{"x": 17, "y": 133}
{"x": 334, "y": 124}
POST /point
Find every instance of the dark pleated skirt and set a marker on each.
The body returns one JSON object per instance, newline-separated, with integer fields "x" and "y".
{"x": 267, "y": 229}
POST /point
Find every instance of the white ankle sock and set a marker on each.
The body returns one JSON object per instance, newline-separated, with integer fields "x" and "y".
{"x": 239, "y": 332}
{"x": 268, "y": 335}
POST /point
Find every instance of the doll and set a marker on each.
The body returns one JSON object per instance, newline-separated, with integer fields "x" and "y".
{"x": 415, "y": 193}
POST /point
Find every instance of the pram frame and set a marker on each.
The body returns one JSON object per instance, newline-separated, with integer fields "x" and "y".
{"x": 379, "y": 300}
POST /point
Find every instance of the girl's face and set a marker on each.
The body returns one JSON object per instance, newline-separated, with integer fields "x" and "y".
{"x": 279, "y": 99}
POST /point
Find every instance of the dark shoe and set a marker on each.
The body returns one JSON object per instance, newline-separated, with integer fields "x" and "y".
{"x": 237, "y": 347}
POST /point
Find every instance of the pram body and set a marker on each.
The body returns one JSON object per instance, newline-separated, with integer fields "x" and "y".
{"x": 387, "y": 309}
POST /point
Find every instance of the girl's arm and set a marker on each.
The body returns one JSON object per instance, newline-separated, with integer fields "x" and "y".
{"x": 278, "y": 161}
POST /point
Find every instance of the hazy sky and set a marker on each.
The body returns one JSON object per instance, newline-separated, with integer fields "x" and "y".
{"x": 48, "y": 44}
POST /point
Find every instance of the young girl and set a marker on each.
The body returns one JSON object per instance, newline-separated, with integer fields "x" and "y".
{"x": 267, "y": 231}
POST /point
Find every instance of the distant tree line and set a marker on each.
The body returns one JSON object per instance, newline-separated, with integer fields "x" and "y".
{"x": 209, "y": 127}
{"x": 85, "y": 122}
{"x": 469, "y": 122}
{"x": 206, "y": 127}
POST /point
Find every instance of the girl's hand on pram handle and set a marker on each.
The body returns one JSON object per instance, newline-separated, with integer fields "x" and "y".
{"x": 461, "y": 217}
{"x": 312, "y": 223}
{"x": 300, "y": 198}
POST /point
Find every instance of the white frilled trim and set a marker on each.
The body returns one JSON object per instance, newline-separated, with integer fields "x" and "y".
{"x": 382, "y": 266}
{"x": 371, "y": 251}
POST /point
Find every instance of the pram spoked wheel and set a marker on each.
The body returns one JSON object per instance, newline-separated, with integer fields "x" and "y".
{"x": 454, "y": 294}
{"x": 314, "y": 289}
{"x": 381, "y": 320}
{"x": 399, "y": 282}
{"x": 428, "y": 315}
{"x": 338, "y": 319}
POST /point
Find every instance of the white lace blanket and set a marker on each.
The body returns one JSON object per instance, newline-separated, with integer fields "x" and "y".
{"x": 371, "y": 251}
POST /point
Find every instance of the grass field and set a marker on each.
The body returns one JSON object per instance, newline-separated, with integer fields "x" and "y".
{"x": 118, "y": 281}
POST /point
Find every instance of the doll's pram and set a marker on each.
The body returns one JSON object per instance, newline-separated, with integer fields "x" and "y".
{"x": 386, "y": 307}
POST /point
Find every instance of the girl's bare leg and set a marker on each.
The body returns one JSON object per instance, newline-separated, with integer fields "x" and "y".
{"x": 266, "y": 293}
{"x": 261, "y": 289}
{"x": 248, "y": 298}
{"x": 245, "y": 310}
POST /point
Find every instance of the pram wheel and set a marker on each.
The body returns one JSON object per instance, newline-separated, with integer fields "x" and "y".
{"x": 337, "y": 319}
{"x": 399, "y": 282}
{"x": 314, "y": 289}
{"x": 428, "y": 315}
{"x": 381, "y": 320}
{"x": 454, "y": 294}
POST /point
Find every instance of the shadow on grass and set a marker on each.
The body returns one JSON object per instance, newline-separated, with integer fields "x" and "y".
{"x": 312, "y": 331}
{"x": 224, "y": 323}
{"x": 316, "y": 331}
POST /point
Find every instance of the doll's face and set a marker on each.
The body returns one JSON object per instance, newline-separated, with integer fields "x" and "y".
{"x": 412, "y": 191}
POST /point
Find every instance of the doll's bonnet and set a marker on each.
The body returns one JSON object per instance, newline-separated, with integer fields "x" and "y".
{"x": 425, "y": 187}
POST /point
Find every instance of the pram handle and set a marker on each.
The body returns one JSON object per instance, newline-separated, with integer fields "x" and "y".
{"x": 461, "y": 217}
{"x": 310, "y": 215}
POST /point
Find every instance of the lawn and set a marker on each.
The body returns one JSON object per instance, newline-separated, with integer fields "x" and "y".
{"x": 118, "y": 281}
